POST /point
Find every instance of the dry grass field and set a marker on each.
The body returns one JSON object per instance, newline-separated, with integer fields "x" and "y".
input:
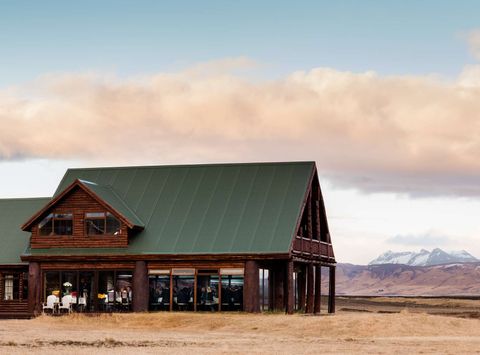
{"x": 355, "y": 329}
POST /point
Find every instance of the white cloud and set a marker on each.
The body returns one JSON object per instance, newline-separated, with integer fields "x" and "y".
{"x": 419, "y": 135}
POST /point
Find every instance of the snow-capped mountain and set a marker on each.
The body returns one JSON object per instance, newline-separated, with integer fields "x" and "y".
{"x": 424, "y": 258}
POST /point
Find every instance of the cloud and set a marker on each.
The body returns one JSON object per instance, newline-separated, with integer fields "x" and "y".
{"x": 413, "y": 134}
{"x": 473, "y": 40}
{"x": 428, "y": 239}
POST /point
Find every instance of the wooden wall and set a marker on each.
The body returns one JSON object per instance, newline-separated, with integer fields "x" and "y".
{"x": 78, "y": 202}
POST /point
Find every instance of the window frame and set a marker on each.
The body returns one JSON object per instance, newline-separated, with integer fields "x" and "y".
{"x": 53, "y": 219}
{"x": 104, "y": 217}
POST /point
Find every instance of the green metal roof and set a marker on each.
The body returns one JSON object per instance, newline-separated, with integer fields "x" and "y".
{"x": 109, "y": 196}
{"x": 14, "y": 212}
{"x": 204, "y": 209}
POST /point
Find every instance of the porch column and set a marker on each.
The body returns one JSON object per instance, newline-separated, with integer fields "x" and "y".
{"x": 301, "y": 282}
{"x": 251, "y": 289}
{"x": 34, "y": 289}
{"x": 310, "y": 278}
{"x": 331, "y": 291}
{"x": 318, "y": 289}
{"x": 140, "y": 287}
{"x": 289, "y": 289}
{"x": 279, "y": 287}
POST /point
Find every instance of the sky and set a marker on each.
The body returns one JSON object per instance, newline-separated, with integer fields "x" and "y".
{"x": 384, "y": 96}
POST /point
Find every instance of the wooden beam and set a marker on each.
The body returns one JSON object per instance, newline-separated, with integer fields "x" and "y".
{"x": 34, "y": 289}
{"x": 155, "y": 257}
{"x": 331, "y": 291}
{"x": 310, "y": 288}
{"x": 140, "y": 287}
{"x": 279, "y": 286}
{"x": 289, "y": 289}
{"x": 318, "y": 289}
{"x": 251, "y": 289}
{"x": 301, "y": 287}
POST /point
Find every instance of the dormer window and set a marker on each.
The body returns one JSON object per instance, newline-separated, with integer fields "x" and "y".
{"x": 56, "y": 224}
{"x": 101, "y": 223}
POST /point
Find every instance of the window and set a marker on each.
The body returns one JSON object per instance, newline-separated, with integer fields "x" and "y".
{"x": 99, "y": 223}
{"x": 8, "y": 287}
{"x": 57, "y": 224}
{"x": 232, "y": 289}
{"x": 159, "y": 282}
{"x": 183, "y": 289}
{"x": 207, "y": 290}
{"x": 264, "y": 289}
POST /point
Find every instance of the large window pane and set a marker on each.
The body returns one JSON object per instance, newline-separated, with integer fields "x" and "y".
{"x": 207, "y": 290}
{"x": 52, "y": 284}
{"x": 106, "y": 291}
{"x": 85, "y": 291}
{"x": 113, "y": 224}
{"x": 46, "y": 225}
{"x": 123, "y": 290}
{"x": 63, "y": 224}
{"x": 159, "y": 292}
{"x": 232, "y": 292}
{"x": 183, "y": 289}
{"x": 95, "y": 226}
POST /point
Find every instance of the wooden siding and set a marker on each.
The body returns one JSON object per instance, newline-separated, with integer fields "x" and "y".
{"x": 78, "y": 202}
{"x": 313, "y": 238}
{"x": 16, "y": 308}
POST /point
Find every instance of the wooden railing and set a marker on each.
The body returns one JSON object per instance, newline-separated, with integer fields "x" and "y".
{"x": 312, "y": 247}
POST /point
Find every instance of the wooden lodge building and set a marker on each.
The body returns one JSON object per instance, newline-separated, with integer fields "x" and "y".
{"x": 220, "y": 237}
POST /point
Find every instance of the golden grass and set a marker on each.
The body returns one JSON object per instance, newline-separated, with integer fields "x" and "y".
{"x": 340, "y": 325}
{"x": 207, "y": 333}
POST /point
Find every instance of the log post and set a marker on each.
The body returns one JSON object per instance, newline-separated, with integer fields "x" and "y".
{"x": 140, "y": 287}
{"x": 34, "y": 289}
{"x": 331, "y": 291}
{"x": 251, "y": 289}
{"x": 310, "y": 288}
{"x": 279, "y": 287}
{"x": 289, "y": 289}
{"x": 301, "y": 287}
{"x": 318, "y": 289}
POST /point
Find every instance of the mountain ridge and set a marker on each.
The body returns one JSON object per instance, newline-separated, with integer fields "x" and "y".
{"x": 424, "y": 257}
{"x": 452, "y": 279}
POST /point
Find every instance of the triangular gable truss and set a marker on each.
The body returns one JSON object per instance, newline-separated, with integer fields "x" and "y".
{"x": 131, "y": 220}
{"x": 312, "y": 235}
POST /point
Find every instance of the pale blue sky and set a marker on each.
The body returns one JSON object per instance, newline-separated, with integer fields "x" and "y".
{"x": 401, "y": 153}
{"x": 136, "y": 37}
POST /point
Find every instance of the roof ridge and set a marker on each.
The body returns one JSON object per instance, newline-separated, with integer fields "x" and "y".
{"x": 192, "y": 165}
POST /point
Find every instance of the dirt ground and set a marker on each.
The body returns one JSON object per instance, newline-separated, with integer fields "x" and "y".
{"x": 360, "y": 326}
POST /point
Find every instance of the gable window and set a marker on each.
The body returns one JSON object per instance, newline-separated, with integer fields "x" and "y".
{"x": 57, "y": 224}
{"x": 100, "y": 223}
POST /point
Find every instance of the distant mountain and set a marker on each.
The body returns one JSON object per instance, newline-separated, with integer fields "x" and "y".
{"x": 424, "y": 258}
{"x": 406, "y": 280}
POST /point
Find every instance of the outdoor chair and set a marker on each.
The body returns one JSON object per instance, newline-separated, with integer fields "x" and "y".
{"x": 50, "y": 304}
{"x": 66, "y": 304}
